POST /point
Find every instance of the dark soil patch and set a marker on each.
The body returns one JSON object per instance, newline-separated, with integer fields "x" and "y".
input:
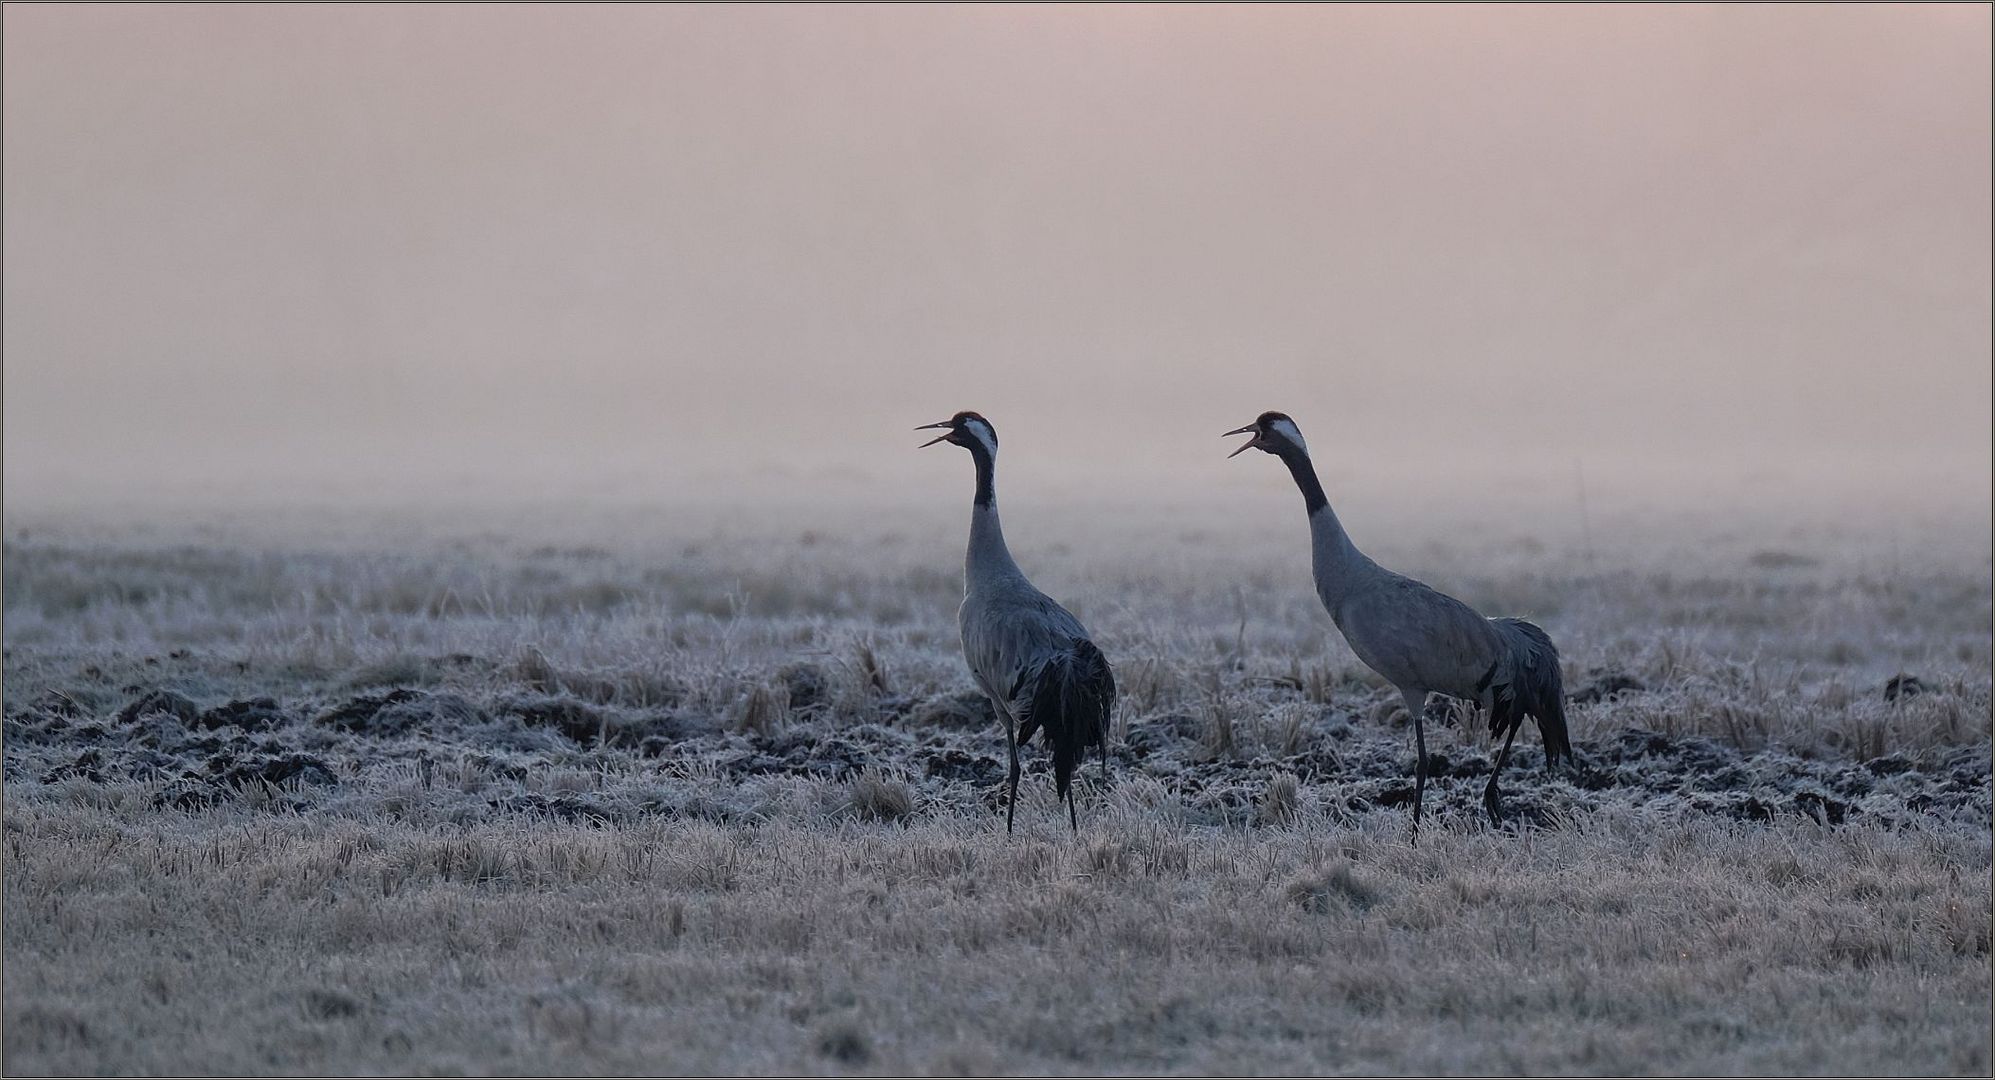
{"x": 570, "y": 716}
{"x": 255, "y": 714}
{"x": 402, "y": 712}
{"x": 161, "y": 702}
{"x": 1606, "y": 687}
{"x": 275, "y": 770}
{"x": 969, "y": 711}
{"x": 1902, "y": 686}
{"x": 653, "y": 732}
{"x": 939, "y": 746}
{"x": 806, "y": 684}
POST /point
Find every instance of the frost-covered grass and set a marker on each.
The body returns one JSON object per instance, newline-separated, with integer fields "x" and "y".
{"x": 1754, "y": 638}
{"x": 239, "y": 941}
{"x": 685, "y": 791}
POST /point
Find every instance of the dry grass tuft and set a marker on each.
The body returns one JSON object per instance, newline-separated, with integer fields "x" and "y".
{"x": 1281, "y": 803}
{"x": 763, "y": 710}
{"x": 1292, "y": 731}
{"x": 870, "y": 669}
{"x": 877, "y": 797}
{"x": 1340, "y": 887}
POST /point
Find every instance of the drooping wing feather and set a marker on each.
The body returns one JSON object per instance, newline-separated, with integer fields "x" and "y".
{"x": 1526, "y": 682}
{"x": 1070, "y": 695}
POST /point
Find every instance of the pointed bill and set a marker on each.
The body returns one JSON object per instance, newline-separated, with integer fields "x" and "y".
{"x": 1250, "y": 442}
{"x": 938, "y": 438}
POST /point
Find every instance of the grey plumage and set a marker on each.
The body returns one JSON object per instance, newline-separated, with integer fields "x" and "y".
{"x": 1422, "y": 641}
{"x": 1028, "y": 654}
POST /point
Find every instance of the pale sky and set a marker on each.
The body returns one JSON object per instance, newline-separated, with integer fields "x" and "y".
{"x": 541, "y": 249}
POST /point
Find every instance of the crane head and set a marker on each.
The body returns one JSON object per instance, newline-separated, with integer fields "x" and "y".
{"x": 1273, "y": 432}
{"x": 966, "y": 429}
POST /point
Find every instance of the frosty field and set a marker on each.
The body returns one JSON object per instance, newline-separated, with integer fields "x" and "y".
{"x": 691, "y": 790}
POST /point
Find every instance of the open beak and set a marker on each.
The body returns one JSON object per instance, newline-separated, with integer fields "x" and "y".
{"x": 944, "y": 424}
{"x": 1250, "y": 444}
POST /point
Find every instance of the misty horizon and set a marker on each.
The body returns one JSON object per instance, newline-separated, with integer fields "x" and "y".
{"x": 739, "y": 252}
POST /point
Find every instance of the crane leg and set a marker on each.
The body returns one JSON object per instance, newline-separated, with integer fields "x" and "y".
{"x": 1491, "y": 798}
{"x": 1416, "y": 704}
{"x": 1011, "y": 782}
{"x": 1073, "y": 819}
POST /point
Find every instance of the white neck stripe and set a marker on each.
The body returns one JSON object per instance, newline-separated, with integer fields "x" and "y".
{"x": 983, "y": 434}
{"x": 1288, "y": 430}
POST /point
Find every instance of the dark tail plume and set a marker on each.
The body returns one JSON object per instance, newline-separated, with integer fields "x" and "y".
{"x": 1070, "y": 696}
{"x": 1535, "y": 689}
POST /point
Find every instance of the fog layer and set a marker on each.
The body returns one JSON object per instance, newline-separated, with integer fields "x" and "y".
{"x": 737, "y": 252}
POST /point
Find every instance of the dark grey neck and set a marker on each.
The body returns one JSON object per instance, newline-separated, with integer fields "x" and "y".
{"x": 988, "y": 564}
{"x": 1305, "y": 478}
{"x": 1337, "y": 564}
{"x": 986, "y": 481}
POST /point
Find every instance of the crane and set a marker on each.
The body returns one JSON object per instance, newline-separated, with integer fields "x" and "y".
{"x": 1028, "y": 654}
{"x": 1423, "y": 641}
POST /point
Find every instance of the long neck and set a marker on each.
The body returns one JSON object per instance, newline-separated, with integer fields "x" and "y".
{"x": 1336, "y": 561}
{"x": 988, "y": 556}
{"x": 1299, "y": 467}
{"x": 986, "y": 480}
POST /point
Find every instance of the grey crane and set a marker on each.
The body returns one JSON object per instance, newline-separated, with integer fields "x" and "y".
{"x": 1029, "y": 655}
{"x": 1424, "y": 642}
